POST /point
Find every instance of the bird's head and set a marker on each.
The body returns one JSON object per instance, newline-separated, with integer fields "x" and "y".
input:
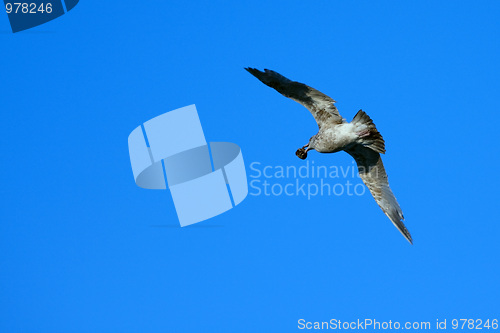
{"x": 301, "y": 153}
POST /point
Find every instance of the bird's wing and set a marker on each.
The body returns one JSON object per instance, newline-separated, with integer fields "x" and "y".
{"x": 371, "y": 169}
{"x": 320, "y": 105}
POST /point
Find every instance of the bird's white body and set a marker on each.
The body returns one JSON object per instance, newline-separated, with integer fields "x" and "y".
{"x": 336, "y": 138}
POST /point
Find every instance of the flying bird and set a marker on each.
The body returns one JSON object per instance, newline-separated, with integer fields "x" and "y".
{"x": 359, "y": 138}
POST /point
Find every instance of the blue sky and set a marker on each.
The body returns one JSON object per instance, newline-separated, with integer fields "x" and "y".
{"x": 83, "y": 249}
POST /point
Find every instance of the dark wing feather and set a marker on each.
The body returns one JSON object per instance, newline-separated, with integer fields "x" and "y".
{"x": 372, "y": 171}
{"x": 320, "y": 105}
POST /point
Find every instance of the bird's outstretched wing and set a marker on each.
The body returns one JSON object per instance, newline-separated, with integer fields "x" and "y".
{"x": 320, "y": 105}
{"x": 371, "y": 169}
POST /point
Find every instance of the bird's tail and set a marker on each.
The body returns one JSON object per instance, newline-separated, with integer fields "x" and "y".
{"x": 369, "y": 136}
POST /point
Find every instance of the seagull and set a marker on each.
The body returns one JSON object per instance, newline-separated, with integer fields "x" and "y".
{"x": 359, "y": 138}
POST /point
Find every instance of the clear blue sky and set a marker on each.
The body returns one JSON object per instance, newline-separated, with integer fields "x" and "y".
{"x": 83, "y": 249}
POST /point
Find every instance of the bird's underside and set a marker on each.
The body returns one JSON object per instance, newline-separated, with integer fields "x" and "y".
{"x": 359, "y": 138}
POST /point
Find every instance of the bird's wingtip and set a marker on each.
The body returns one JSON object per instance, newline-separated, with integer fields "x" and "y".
{"x": 252, "y": 70}
{"x": 407, "y": 235}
